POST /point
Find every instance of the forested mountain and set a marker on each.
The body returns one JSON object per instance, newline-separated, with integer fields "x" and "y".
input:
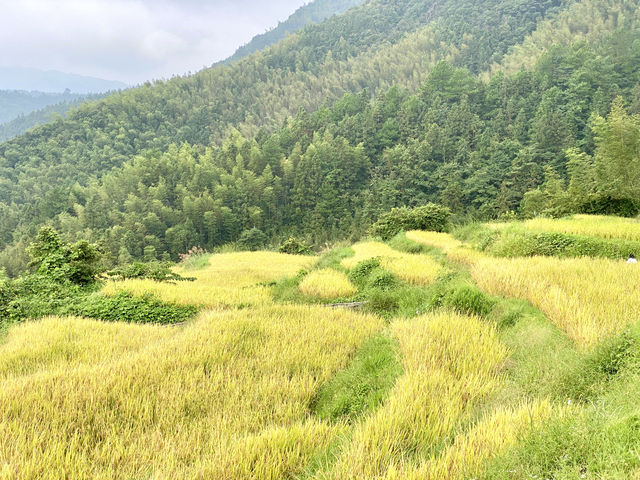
{"x": 25, "y": 121}
{"x": 314, "y": 12}
{"x": 14, "y": 103}
{"x": 391, "y": 103}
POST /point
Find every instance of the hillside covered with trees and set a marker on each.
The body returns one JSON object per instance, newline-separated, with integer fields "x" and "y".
{"x": 486, "y": 107}
{"x": 313, "y": 12}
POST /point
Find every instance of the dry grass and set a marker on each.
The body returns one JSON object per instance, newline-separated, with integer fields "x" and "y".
{"x": 232, "y": 279}
{"x": 327, "y": 283}
{"x": 589, "y": 298}
{"x": 416, "y": 269}
{"x": 225, "y": 397}
{"x": 451, "y": 365}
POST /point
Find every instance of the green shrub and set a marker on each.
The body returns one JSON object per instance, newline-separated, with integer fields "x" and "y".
{"x": 252, "y": 240}
{"x": 466, "y": 299}
{"x": 360, "y": 273}
{"x": 294, "y": 246}
{"x": 604, "y": 205}
{"x": 428, "y": 217}
{"x": 381, "y": 280}
{"x": 78, "y": 263}
{"x": 157, "y": 271}
{"x": 124, "y": 307}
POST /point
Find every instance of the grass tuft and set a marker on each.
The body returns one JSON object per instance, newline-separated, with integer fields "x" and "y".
{"x": 363, "y": 385}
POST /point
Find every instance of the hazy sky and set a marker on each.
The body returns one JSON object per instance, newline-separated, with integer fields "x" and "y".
{"x": 131, "y": 40}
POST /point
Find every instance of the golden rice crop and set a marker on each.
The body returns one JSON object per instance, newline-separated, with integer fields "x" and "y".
{"x": 62, "y": 343}
{"x": 444, "y": 241}
{"x": 327, "y": 283}
{"x": 224, "y": 397}
{"x": 590, "y": 225}
{"x": 367, "y": 250}
{"x": 231, "y": 279}
{"x": 451, "y": 363}
{"x": 490, "y": 437}
{"x": 454, "y": 249}
{"x": 416, "y": 269}
{"x": 589, "y": 298}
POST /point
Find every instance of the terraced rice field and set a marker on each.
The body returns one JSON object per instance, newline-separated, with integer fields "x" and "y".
{"x": 230, "y": 280}
{"x": 415, "y": 269}
{"x": 327, "y": 283}
{"x": 589, "y": 225}
{"x": 231, "y": 394}
{"x": 588, "y": 298}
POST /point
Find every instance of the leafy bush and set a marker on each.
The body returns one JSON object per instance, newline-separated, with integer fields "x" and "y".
{"x": 603, "y": 205}
{"x": 60, "y": 261}
{"x": 253, "y": 239}
{"x": 294, "y": 246}
{"x": 158, "y": 271}
{"x": 124, "y": 307}
{"x": 360, "y": 273}
{"x": 428, "y": 217}
{"x": 462, "y": 297}
{"x": 381, "y": 280}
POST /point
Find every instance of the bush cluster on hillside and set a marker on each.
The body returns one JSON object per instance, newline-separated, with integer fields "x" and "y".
{"x": 64, "y": 282}
{"x": 428, "y": 217}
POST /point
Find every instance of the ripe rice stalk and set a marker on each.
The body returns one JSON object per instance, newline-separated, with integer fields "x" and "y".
{"x": 327, "y": 284}
{"x": 415, "y": 269}
{"x": 231, "y": 280}
{"x": 452, "y": 363}
{"x": 224, "y": 397}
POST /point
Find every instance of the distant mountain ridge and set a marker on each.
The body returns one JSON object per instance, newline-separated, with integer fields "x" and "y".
{"x": 52, "y": 81}
{"x": 14, "y": 103}
{"x": 56, "y": 105}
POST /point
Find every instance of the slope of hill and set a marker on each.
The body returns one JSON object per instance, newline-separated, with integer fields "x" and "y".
{"x": 493, "y": 368}
{"x": 51, "y": 81}
{"x": 477, "y": 147}
{"x": 317, "y": 65}
{"x": 314, "y": 12}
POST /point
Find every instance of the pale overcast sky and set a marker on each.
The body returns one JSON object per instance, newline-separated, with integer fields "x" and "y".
{"x": 131, "y": 40}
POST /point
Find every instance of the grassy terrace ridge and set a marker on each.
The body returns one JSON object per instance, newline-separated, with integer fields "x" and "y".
{"x": 460, "y": 365}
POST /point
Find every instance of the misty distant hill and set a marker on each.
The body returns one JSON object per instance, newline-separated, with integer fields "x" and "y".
{"x": 14, "y": 103}
{"x": 51, "y": 81}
